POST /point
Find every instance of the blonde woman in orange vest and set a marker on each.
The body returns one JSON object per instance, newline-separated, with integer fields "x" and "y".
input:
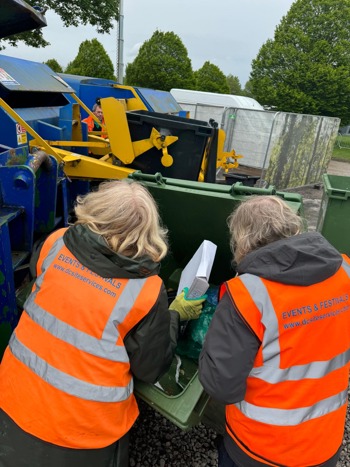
{"x": 97, "y": 316}
{"x": 278, "y": 348}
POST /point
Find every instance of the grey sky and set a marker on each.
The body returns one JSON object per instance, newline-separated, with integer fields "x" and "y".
{"x": 228, "y": 33}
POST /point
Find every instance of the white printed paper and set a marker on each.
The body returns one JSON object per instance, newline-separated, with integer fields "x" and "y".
{"x": 199, "y": 267}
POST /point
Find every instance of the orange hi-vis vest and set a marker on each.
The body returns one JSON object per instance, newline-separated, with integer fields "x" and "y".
{"x": 91, "y": 125}
{"x": 293, "y": 413}
{"x": 65, "y": 376}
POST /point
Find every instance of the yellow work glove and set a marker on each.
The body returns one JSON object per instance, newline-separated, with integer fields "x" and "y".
{"x": 188, "y": 308}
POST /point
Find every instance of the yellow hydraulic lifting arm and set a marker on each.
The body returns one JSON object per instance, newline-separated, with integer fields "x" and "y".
{"x": 226, "y": 160}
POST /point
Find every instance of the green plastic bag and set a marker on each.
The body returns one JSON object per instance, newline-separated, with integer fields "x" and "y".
{"x": 191, "y": 342}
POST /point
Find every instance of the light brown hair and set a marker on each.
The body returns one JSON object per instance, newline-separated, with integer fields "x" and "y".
{"x": 259, "y": 221}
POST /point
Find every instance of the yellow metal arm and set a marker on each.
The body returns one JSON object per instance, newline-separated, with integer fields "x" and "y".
{"x": 229, "y": 160}
{"x": 120, "y": 138}
{"x": 77, "y": 166}
{"x": 40, "y": 141}
{"x": 81, "y": 144}
{"x": 226, "y": 160}
{"x": 162, "y": 142}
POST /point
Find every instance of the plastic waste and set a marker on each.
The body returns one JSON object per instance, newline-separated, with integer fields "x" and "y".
{"x": 191, "y": 342}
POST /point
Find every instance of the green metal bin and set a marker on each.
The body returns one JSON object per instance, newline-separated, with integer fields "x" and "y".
{"x": 334, "y": 217}
{"x": 193, "y": 212}
{"x": 183, "y": 400}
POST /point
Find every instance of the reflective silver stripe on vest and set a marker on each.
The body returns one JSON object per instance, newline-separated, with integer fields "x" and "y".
{"x": 346, "y": 267}
{"x": 65, "y": 382}
{"x": 59, "y": 243}
{"x": 122, "y": 308}
{"x": 105, "y": 347}
{"x": 312, "y": 370}
{"x": 292, "y": 417}
{"x": 260, "y": 295}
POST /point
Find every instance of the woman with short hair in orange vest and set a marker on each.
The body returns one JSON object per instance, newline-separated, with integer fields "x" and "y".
{"x": 277, "y": 350}
{"x": 97, "y": 316}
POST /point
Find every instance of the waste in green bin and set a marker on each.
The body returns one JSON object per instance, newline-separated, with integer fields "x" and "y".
{"x": 334, "y": 217}
{"x": 193, "y": 212}
{"x": 182, "y": 403}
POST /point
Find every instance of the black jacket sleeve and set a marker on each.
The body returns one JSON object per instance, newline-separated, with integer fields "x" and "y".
{"x": 151, "y": 344}
{"x": 228, "y": 354}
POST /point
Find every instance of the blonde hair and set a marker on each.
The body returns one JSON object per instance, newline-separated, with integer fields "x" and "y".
{"x": 259, "y": 221}
{"x": 126, "y": 216}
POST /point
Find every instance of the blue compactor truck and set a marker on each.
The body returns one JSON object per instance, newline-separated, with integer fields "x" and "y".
{"x": 47, "y": 158}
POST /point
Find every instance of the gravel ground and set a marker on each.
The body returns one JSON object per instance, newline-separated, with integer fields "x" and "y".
{"x": 156, "y": 442}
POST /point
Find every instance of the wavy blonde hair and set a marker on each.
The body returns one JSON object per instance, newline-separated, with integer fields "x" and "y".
{"x": 126, "y": 216}
{"x": 261, "y": 220}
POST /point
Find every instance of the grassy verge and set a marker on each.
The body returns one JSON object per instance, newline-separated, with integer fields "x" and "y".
{"x": 341, "y": 149}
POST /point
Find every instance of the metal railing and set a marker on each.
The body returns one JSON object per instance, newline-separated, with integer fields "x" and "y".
{"x": 342, "y": 141}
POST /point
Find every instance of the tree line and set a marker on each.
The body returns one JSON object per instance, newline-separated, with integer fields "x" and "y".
{"x": 305, "y": 68}
{"x": 162, "y": 63}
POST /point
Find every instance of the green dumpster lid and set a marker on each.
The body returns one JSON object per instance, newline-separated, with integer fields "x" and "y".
{"x": 196, "y": 211}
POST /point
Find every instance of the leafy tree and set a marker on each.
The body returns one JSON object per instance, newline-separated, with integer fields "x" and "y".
{"x": 306, "y": 68}
{"x": 162, "y": 63}
{"x": 100, "y": 14}
{"x": 54, "y": 65}
{"x": 211, "y": 79}
{"x": 247, "y": 91}
{"x": 92, "y": 60}
{"x": 234, "y": 85}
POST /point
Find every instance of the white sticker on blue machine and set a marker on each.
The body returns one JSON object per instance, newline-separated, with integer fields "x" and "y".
{"x": 7, "y": 79}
